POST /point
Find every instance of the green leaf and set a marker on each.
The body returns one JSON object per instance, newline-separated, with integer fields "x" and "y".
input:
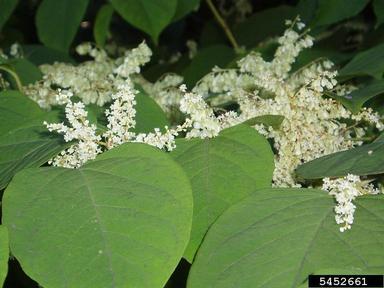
{"x": 101, "y": 27}
{"x": 184, "y": 7}
{"x": 24, "y": 141}
{"x": 149, "y": 16}
{"x": 364, "y": 160}
{"x": 4, "y": 254}
{"x": 39, "y": 54}
{"x": 277, "y": 237}
{"x": 205, "y": 60}
{"x": 332, "y": 11}
{"x": 222, "y": 171}
{"x": 26, "y": 70}
{"x": 259, "y": 26}
{"x": 57, "y": 22}
{"x": 369, "y": 62}
{"x": 30, "y": 145}
{"x": 358, "y": 97}
{"x": 122, "y": 220}
{"x": 16, "y": 109}
{"x": 6, "y": 9}
{"x": 378, "y": 7}
{"x": 149, "y": 114}
{"x": 269, "y": 120}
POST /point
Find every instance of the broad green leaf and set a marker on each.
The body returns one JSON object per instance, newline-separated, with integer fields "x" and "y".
{"x": 378, "y": 7}
{"x": 277, "y": 237}
{"x": 29, "y": 145}
{"x": 149, "y": 114}
{"x": 364, "y": 160}
{"x": 4, "y": 254}
{"x": 15, "y": 110}
{"x": 358, "y": 97}
{"x": 369, "y": 62}
{"x": 184, "y": 7}
{"x": 122, "y": 220}
{"x": 149, "y": 16}
{"x": 39, "y": 54}
{"x": 24, "y": 141}
{"x": 101, "y": 27}
{"x": 205, "y": 60}
{"x": 259, "y": 26}
{"x": 26, "y": 70}
{"x": 6, "y": 9}
{"x": 57, "y": 22}
{"x": 269, "y": 120}
{"x": 222, "y": 171}
{"x": 332, "y": 11}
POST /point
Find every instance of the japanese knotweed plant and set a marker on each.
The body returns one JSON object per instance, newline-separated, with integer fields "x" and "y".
{"x": 218, "y": 189}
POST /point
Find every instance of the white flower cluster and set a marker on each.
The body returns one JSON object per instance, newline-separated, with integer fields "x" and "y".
{"x": 346, "y": 190}
{"x": 313, "y": 125}
{"x": 80, "y": 130}
{"x": 121, "y": 117}
{"x": 92, "y": 81}
{"x": 121, "y": 121}
{"x": 205, "y": 123}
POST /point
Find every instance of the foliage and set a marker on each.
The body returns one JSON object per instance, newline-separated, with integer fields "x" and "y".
{"x": 190, "y": 143}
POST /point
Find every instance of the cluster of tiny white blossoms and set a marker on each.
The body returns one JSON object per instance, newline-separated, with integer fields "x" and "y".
{"x": 346, "y": 190}
{"x": 80, "y": 129}
{"x": 121, "y": 122}
{"x": 205, "y": 123}
{"x": 313, "y": 124}
{"x": 93, "y": 81}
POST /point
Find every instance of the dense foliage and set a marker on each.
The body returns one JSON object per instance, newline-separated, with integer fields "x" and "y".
{"x": 190, "y": 143}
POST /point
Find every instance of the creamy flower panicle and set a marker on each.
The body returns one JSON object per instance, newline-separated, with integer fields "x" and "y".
{"x": 346, "y": 190}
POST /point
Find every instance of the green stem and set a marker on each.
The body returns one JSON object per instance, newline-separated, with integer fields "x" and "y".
{"x": 14, "y": 76}
{"x": 224, "y": 25}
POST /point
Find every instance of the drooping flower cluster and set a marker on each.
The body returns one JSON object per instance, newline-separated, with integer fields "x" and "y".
{"x": 313, "y": 125}
{"x": 121, "y": 122}
{"x": 92, "y": 81}
{"x": 79, "y": 129}
{"x": 205, "y": 124}
{"x": 346, "y": 190}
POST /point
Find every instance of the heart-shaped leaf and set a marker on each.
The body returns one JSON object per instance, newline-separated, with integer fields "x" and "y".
{"x": 24, "y": 141}
{"x": 369, "y": 62}
{"x": 364, "y": 160}
{"x": 149, "y": 16}
{"x": 222, "y": 171}
{"x": 277, "y": 237}
{"x": 58, "y": 21}
{"x": 122, "y": 220}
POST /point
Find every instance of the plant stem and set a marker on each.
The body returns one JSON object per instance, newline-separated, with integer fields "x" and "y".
{"x": 14, "y": 76}
{"x": 224, "y": 25}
